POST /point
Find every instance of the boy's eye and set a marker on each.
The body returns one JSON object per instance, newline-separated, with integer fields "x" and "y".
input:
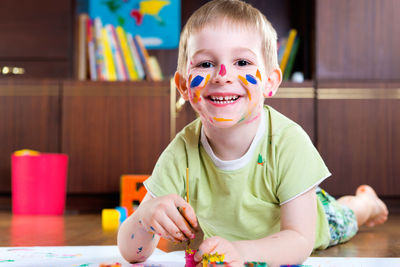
{"x": 242, "y": 63}
{"x": 206, "y": 65}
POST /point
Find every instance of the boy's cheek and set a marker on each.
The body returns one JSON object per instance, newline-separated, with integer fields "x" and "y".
{"x": 196, "y": 83}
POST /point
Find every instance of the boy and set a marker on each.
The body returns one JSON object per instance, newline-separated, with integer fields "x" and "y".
{"x": 253, "y": 172}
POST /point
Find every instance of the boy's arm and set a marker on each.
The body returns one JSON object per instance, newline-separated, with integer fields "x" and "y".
{"x": 154, "y": 218}
{"x": 132, "y": 236}
{"x": 294, "y": 243}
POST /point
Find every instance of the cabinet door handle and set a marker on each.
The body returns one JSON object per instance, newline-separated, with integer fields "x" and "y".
{"x": 6, "y": 70}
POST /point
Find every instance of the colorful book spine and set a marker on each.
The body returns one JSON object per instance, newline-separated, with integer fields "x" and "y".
{"x": 99, "y": 50}
{"x": 144, "y": 57}
{"x": 116, "y": 53}
{"x": 281, "y": 50}
{"x": 126, "y": 54}
{"x": 155, "y": 68}
{"x": 292, "y": 59}
{"x": 135, "y": 56}
{"x": 108, "y": 57}
{"x": 82, "y": 47}
{"x": 288, "y": 49}
{"x": 91, "y": 50}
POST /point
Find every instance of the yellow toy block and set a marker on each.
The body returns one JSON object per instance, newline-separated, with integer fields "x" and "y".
{"x": 110, "y": 219}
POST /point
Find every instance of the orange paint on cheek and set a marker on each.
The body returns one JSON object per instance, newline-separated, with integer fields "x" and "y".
{"x": 243, "y": 79}
{"x": 197, "y": 97}
{"x": 258, "y": 74}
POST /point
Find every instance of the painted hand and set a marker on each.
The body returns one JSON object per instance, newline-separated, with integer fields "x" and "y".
{"x": 169, "y": 217}
{"x": 221, "y": 246}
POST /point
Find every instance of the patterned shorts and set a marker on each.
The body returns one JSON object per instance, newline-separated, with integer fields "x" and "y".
{"x": 342, "y": 220}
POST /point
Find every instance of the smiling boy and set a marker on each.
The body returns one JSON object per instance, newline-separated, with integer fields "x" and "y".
{"x": 253, "y": 172}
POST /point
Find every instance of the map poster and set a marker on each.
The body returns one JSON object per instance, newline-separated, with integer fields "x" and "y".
{"x": 158, "y": 22}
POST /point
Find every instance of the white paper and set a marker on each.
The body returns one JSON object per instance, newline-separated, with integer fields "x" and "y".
{"x": 90, "y": 256}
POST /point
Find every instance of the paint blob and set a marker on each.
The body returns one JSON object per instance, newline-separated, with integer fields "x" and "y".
{"x": 251, "y": 79}
{"x": 222, "y": 71}
{"x": 196, "y": 81}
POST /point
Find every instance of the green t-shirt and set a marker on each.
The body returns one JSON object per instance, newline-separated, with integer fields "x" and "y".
{"x": 244, "y": 203}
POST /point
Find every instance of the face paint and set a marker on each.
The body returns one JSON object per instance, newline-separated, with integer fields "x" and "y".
{"x": 221, "y": 119}
{"x": 251, "y": 79}
{"x": 258, "y": 75}
{"x": 270, "y": 94}
{"x": 253, "y": 119}
{"x": 196, "y": 81}
{"x": 222, "y": 71}
{"x": 245, "y": 83}
{"x": 196, "y": 97}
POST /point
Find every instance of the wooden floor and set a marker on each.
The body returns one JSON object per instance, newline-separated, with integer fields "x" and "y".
{"x": 85, "y": 229}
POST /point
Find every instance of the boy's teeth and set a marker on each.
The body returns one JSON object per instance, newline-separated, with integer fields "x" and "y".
{"x": 224, "y": 99}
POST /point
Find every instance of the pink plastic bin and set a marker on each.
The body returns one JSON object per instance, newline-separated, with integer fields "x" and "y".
{"x": 39, "y": 183}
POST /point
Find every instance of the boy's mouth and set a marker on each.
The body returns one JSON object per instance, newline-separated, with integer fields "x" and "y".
{"x": 227, "y": 99}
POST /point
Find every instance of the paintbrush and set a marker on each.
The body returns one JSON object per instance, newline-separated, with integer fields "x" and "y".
{"x": 187, "y": 200}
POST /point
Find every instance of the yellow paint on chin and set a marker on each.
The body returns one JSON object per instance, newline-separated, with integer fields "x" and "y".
{"x": 221, "y": 119}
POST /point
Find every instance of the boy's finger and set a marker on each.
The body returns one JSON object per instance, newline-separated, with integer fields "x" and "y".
{"x": 166, "y": 231}
{"x": 187, "y": 212}
{"x": 182, "y": 224}
{"x": 206, "y": 247}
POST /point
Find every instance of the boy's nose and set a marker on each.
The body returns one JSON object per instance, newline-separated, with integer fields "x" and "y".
{"x": 222, "y": 76}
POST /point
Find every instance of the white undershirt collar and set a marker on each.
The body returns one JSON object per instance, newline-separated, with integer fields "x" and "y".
{"x": 231, "y": 165}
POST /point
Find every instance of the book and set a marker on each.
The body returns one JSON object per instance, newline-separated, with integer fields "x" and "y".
{"x": 126, "y": 54}
{"x": 116, "y": 53}
{"x": 155, "y": 68}
{"x": 135, "y": 56}
{"x": 144, "y": 57}
{"x": 288, "y": 49}
{"x": 99, "y": 50}
{"x": 111, "y": 74}
{"x": 292, "y": 59}
{"x": 91, "y": 50}
{"x": 281, "y": 49}
{"x": 81, "y": 57}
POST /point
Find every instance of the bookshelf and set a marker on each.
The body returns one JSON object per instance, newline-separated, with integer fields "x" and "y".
{"x": 348, "y": 103}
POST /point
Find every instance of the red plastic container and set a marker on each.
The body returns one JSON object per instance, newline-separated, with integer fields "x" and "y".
{"x": 39, "y": 183}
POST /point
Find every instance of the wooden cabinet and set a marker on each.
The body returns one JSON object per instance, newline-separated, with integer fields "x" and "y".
{"x": 29, "y": 118}
{"x": 37, "y": 36}
{"x": 357, "y": 66}
{"x": 112, "y": 128}
{"x": 357, "y": 39}
{"x": 359, "y": 136}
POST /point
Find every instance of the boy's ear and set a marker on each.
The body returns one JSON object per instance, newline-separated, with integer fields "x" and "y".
{"x": 273, "y": 81}
{"x": 180, "y": 83}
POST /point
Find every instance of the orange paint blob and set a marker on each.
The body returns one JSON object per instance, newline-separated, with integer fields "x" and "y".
{"x": 258, "y": 74}
{"x": 222, "y": 119}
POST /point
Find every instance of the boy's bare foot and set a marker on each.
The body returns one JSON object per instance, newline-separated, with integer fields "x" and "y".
{"x": 379, "y": 211}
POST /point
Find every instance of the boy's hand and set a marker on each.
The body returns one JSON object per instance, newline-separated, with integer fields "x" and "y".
{"x": 222, "y": 246}
{"x": 169, "y": 217}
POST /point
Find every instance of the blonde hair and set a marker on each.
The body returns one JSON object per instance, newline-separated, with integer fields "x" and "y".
{"x": 234, "y": 11}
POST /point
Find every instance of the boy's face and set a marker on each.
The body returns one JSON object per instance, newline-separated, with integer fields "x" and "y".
{"x": 226, "y": 79}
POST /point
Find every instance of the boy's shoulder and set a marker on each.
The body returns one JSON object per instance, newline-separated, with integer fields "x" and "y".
{"x": 190, "y": 134}
{"x": 277, "y": 122}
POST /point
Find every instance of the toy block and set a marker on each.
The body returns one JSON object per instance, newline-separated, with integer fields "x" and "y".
{"x": 110, "y": 219}
{"x": 132, "y": 191}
